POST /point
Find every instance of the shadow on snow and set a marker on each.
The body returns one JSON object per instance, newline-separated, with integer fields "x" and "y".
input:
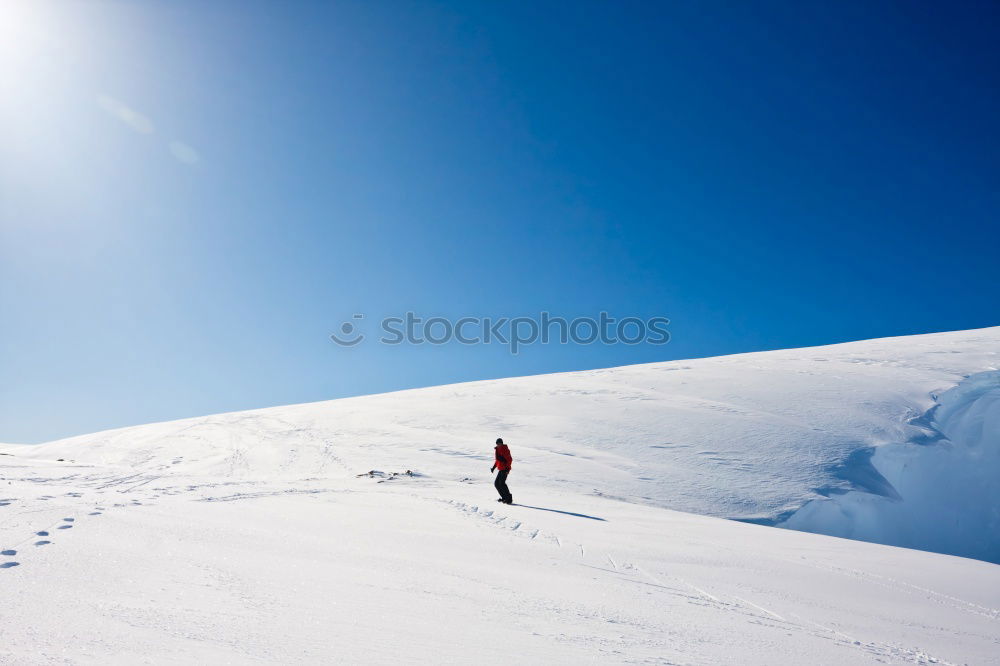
{"x": 568, "y": 513}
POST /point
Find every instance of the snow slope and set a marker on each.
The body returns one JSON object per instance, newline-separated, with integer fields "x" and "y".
{"x": 115, "y": 568}
{"x": 250, "y": 538}
{"x": 753, "y": 437}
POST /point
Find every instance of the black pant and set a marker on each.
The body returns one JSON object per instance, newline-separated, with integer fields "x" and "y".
{"x": 501, "y": 486}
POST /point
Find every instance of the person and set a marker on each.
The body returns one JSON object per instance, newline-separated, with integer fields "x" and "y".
{"x": 503, "y": 462}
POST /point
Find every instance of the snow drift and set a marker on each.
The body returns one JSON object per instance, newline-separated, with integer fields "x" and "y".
{"x": 938, "y": 491}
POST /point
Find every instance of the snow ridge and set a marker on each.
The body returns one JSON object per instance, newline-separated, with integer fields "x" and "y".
{"x": 937, "y": 491}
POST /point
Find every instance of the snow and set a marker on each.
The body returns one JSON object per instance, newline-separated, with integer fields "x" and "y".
{"x": 263, "y": 536}
{"x": 941, "y": 490}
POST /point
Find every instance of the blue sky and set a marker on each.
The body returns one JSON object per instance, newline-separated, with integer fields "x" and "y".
{"x": 193, "y": 195}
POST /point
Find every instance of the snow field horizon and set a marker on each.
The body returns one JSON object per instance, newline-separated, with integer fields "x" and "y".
{"x": 842, "y": 479}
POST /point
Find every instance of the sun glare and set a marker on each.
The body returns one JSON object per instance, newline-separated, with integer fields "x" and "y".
{"x": 21, "y": 30}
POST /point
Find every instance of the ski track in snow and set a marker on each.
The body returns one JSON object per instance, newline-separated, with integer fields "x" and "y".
{"x": 73, "y": 510}
{"x": 747, "y": 607}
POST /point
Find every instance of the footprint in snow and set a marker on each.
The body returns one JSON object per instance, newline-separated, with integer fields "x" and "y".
{"x": 65, "y": 527}
{"x": 94, "y": 513}
{"x": 43, "y": 542}
{"x": 8, "y": 565}
{"x": 42, "y": 533}
{"x": 69, "y": 520}
{"x": 8, "y": 553}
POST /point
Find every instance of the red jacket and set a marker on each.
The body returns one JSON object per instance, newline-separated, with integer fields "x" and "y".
{"x": 503, "y": 457}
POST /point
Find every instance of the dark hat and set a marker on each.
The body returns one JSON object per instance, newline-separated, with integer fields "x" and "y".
{"x": 499, "y": 440}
